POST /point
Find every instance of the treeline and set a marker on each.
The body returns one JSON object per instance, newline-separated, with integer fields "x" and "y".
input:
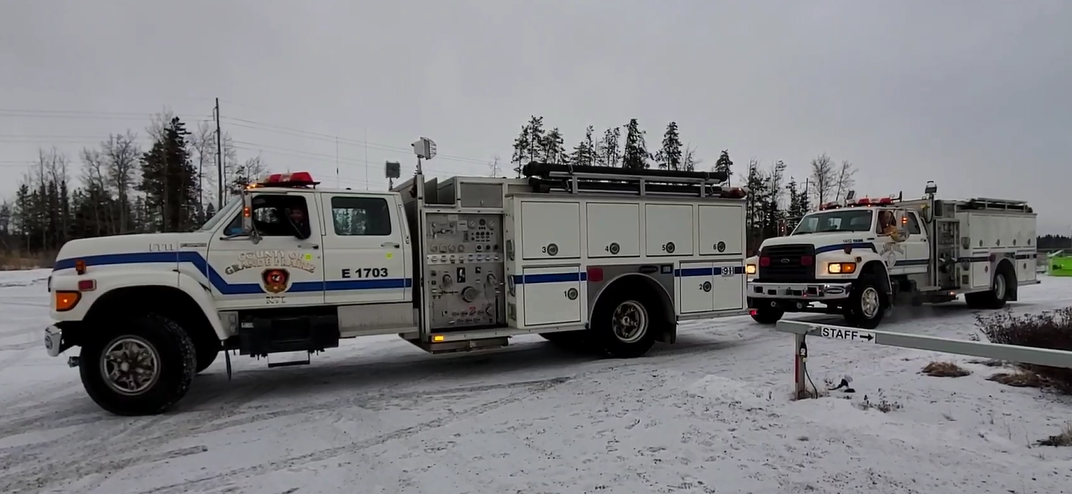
{"x": 122, "y": 188}
{"x": 775, "y": 202}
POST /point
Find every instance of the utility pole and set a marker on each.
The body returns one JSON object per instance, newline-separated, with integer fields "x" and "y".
{"x": 219, "y": 159}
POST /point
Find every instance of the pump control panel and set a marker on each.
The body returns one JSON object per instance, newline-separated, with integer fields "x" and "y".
{"x": 465, "y": 269}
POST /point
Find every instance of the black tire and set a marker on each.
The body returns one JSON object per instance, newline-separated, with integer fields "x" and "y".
{"x": 206, "y": 355}
{"x": 165, "y": 344}
{"x": 624, "y": 323}
{"x": 1000, "y": 289}
{"x": 862, "y": 309}
{"x": 767, "y": 315}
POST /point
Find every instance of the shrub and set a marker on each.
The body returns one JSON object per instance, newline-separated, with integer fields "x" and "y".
{"x": 944, "y": 369}
{"x": 1051, "y": 330}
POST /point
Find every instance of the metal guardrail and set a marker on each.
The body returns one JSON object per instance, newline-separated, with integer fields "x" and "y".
{"x": 1011, "y": 353}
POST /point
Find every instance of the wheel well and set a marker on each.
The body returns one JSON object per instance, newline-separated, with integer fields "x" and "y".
{"x": 170, "y": 302}
{"x": 878, "y": 269}
{"x": 654, "y": 292}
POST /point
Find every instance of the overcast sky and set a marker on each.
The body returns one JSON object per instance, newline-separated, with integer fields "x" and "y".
{"x": 974, "y": 94}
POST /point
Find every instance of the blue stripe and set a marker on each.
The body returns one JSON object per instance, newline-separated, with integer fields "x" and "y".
{"x": 911, "y": 262}
{"x": 836, "y": 247}
{"x": 690, "y": 272}
{"x": 221, "y": 285}
{"x": 532, "y": 279}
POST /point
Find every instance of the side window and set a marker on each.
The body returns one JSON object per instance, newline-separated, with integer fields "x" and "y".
{"x": 279, "y": 216}
{"x": 360, "y": 216}
{"x": 913, "y": 224}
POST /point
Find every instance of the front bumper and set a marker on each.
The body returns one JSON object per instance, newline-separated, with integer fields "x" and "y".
{"x": 817, "y": 291}
{"x": 54, "y": 344}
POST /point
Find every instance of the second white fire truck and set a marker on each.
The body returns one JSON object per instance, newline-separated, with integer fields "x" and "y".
{"x": 609, "y": 259}
{"x": 863, "y": 257}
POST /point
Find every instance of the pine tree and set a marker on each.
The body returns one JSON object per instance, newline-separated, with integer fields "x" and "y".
{"x": 169, "y": 179}
{"x": 521, "y": 149}
{"x": 724, "y": 165}
{"x": 609, "y": 151}
{"x": 585, "y": 152}
{"x": 536, "y": 139}
{"x": 553, "y": 149}
{"x": 670, "y": 157}
{"x": 635, "y": 153}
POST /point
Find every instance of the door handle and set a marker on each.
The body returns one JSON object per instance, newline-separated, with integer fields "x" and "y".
{"x": 393, "y": 245}
{"x": 310, "y": 246}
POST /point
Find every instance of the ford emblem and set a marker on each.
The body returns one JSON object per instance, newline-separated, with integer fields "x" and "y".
{"x": 785, "y": 261}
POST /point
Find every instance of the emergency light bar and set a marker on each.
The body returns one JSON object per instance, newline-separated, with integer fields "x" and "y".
{"x": 867, "y": 201}
{"x": 295, "y": 179}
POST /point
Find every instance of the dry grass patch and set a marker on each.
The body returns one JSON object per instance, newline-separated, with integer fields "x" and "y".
{"x": 1062, "y": 439}
{"x": 1051, "y": 329}
{"x": 1020, "y": 379}
{"x": 945, "y": 369}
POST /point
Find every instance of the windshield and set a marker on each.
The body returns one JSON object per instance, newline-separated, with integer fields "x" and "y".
{"x": 225, "y": 213}
{"x": 846, "y": 220}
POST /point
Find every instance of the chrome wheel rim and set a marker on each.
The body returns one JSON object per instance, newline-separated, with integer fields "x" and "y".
{"x": 130, "y": 365}
{"x": 629, "y": 322}
{"x": 869, "y": 302}
{"x": 999, "y": 286}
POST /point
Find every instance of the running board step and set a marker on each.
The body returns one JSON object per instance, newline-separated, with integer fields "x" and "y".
{"x": 460, "y": 346}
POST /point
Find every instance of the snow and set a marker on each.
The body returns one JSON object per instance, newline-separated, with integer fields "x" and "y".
{"x": 708, "y": 414}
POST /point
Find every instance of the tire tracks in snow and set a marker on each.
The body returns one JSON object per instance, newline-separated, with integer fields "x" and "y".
{"x": 131, "y": 437}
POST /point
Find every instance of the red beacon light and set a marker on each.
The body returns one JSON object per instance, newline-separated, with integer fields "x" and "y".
{"x": 884, "y": 200}
{"x": 733, "y": 193}
{"x": 863, "y": 201}
{"x": 296, "y": 179}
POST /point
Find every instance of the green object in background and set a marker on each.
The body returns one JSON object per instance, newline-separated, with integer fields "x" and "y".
{"x": 1060, "y": 265}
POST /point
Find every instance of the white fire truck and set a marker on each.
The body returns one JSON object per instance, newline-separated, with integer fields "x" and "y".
{"x": 863, "y": 257}
{"x": 604, "y": 258}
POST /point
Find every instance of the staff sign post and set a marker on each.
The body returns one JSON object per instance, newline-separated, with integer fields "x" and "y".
{"x": 1009, "y": 353}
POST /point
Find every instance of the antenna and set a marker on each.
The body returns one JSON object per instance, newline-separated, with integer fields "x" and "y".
{"x": 392, "y": 170}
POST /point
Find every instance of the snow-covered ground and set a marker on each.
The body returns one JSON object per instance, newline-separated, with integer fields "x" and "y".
{"x": 709, "y": 414}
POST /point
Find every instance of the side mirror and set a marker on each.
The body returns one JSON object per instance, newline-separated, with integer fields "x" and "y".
{"x": 248, "y": 228}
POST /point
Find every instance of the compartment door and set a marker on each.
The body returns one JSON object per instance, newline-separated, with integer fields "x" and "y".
{"x": 613, "y": 230}
{"x": 550, "y": 230}
{"x": 695, "y": 287}
{"x": 721, "y": 230}
{"x": 669, "y": 229}
{"x": 729, "y": 286}
{"x": 551, "y": 295}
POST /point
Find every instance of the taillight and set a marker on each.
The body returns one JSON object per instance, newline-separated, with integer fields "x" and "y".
{"x": 806, "y": 261}
{"x": 595, "y": 274}
{"x": 764, "y": 261}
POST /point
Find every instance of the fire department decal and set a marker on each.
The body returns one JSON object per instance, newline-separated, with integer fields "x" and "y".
{"x": 889, "y": 252}
{"x": 273, "y": 259}
{"x": 275, "y": 280}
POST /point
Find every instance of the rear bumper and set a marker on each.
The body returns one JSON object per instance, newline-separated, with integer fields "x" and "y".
{"x": 815, "y": 292}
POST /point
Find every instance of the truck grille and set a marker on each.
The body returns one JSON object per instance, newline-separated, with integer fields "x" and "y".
{"x": 787, "y": 263}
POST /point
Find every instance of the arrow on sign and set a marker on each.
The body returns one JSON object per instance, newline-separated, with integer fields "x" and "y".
{"x": 867, "y": 336}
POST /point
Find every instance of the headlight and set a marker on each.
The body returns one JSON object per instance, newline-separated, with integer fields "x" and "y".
{"x": 750, "y": 269}
{"x": 841, "y": 268}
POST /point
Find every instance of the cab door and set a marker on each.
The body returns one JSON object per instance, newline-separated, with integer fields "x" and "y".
{"x": 917, "y": 251}
{"x": 364, "y": 250}
{"x": 280, "y": 269}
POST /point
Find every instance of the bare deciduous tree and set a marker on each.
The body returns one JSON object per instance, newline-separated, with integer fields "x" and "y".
{"x": 203, "y": 152}
{"x": 823, "y": 178}
{"x": 493, "y": 166}
{"x": 121, "y": 154}
{"x": 689, "y": 161}
{"x": 845, "y": 179}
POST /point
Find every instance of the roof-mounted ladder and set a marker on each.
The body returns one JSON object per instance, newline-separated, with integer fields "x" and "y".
{"x": 544, "y": 177}
{"x": 991, "y": 204}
